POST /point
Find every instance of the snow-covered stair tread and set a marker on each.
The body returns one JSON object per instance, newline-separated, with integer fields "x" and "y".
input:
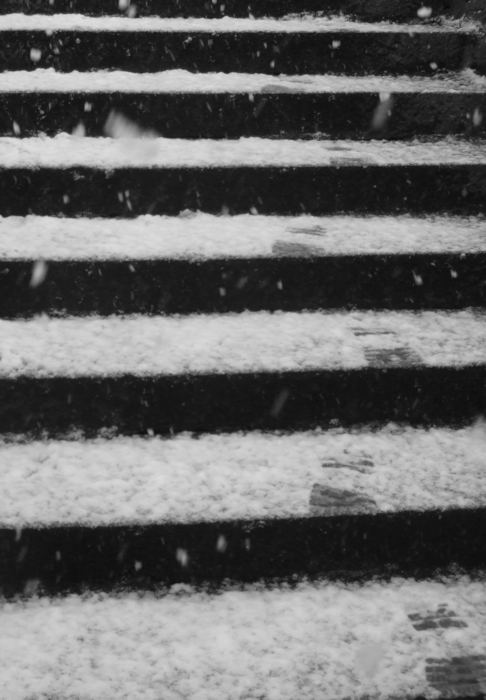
{"x": 64, "y": 151}
{"x": 246, "y": 342}
{"x": 181, "y": 81}
{"x": 306, "y": 23}
{"x": 203, "y": 236}
{"x": 240, "y": 476}
{"x": 316, "y": 640}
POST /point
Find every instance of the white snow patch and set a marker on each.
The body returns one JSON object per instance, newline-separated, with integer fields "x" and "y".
{"x": 275, "y": 643}
{"x": 305, "y": 23}
{"x": 201, "y": 236}
{"x": 238, "y": 476}
{"x": 181, "y": 81}
{"x": 64, "y": 151}
{"x": 245, "y": 342}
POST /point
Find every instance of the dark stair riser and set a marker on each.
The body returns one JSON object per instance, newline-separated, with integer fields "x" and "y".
{"x": 359, "y": 53}
{"x": 421, "y": 396}
{"x": 375, "y": 10}
{"x": 348, "y": 547}
{"x": 218, "y": 116}
{"x": 361, "y": 189}
{"x": 219, "y": 286}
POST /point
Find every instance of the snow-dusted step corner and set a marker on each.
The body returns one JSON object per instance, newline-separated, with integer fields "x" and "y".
{"x": 397, "y": 640}
{"x": 307, "y": 24}
{"x": 252, "y": 476}
{"x": 65, "y": 151}
{"x": 246, "y": 342}
{"x": 182, "y": 81}
{"x": 195, "y": 235}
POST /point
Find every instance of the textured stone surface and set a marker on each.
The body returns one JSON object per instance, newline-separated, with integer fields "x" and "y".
{"x": 442, "y": 618}
{"x": 326, "y": 498}
{"x": 460, "y": 676}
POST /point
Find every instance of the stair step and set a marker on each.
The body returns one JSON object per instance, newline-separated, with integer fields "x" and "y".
{"x": 64, "y": 152}
{"x": 298, "y": 46}
{"x": 128, "y": 177}
{"x": 313, "y": 639}
{"x": 146, "y": 512}
{"x": 309, "y": 23}
{"x": 253, "y": 476}
{"x": 391, "y": 9}
{"x": 310, "y": 639}
{"x": 199, "y": 263}
{"x": 241, "y": 372}
{"x": 351, "y": 547}
{"x": 357, "y": 542}
{"x": 292, "y": 282}
{"x": 232, "y": 105}
{"x": 199, "y": 237}
{"x": 247, "y": 342}
{"x": 171, "y": 82}
{"x": 276, "y": 400}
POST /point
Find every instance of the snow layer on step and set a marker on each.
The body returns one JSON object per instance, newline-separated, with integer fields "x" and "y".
{"x": 317, "y": 640}
{"x": 306, "y": 23}
{"x": 181, "y": 81}
{"x": 64, "y": 151}
{"x": 238, "y": 476}
{"x": 246, "y": 342}
{"x": 200, "y": 236}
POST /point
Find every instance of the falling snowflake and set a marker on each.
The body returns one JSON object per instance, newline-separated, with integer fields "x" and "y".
{"x": 39, "y": 273}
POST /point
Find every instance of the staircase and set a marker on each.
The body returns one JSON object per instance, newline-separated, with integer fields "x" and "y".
{"x": 242, "y": 350}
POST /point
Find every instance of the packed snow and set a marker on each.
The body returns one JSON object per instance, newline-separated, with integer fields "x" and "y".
{"x": 181, "y": 81}
{"x": 304, "y": 23}
{"x": 245, "y": 342}
{"x": 244, "y": 476}
{"x": 204, "y": 236}
{"x": 65, "y": 151}
{"x": 316, "y": 640}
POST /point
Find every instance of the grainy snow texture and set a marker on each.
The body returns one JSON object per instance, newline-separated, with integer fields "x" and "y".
{"x": 246, "y": 342}
{"x": 315, "y": 641}
{"x": 64, "y": 151}
{"x": 181, "y": 81}
{"x": 239, "y": 476}
{"x": 318, "y": 640}
{"x": 305, "y": 23}
{"x": 198, "y": 236}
